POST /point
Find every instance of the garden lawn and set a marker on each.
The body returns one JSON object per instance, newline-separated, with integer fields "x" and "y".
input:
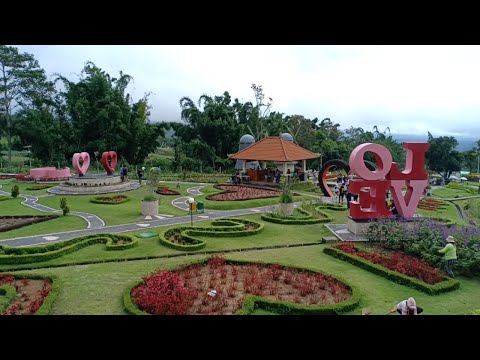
{"x": 127, "y": 212}
{"x": 273, "y": 234}
{"x": 449, "y": 211}
{"x": 451, "y": 193}
{"x": 22, "y": 186}
{"x": 60, "y": 224}
{"x": 245, "y": 204}
{"x": 98, "y": 288}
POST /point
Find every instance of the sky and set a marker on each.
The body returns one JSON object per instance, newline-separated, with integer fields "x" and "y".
{"x": 410, "y": 89}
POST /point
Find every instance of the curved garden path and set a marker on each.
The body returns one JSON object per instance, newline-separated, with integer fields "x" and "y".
{"x": 92, "y": 220}
{"x": 180, "y": 203}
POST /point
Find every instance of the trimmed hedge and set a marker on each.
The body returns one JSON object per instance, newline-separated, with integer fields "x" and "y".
{"x": 23, "y": 255}
{"x": 8, "y": 293}
{"x": 475, "y": 312}
{"x": 441, "y": 287}
{"x": 98, "y": 200}
{"x": 128, "y": 305}
{"x": 307, "y": 220}
{"x": 220, "y": 228}
{"x": 3, "y": 198}
{"x": 253, "y": 302}
{"x": 335, "y": 207}
{"x": 39, "y": 187}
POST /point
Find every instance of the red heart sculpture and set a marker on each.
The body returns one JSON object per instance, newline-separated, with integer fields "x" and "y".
{"x": 109, "y": 161}
{"x": 85, "y": 158}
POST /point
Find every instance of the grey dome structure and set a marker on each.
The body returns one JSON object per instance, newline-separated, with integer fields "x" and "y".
{"x": 245, "y": 141}
{"x": 287, "y": 136}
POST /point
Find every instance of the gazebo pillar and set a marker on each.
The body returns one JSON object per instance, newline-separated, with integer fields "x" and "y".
{"x": 264, "y": 165}
{"x": 304, "y": 170}
{"x": 244, "y": 166}
{"x": 285, "y": 168}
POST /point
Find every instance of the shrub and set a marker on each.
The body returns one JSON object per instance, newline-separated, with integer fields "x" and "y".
{"x": 149, "y": 198}
{"x": 64, "y": 206}
{"x": 15, "y": 191}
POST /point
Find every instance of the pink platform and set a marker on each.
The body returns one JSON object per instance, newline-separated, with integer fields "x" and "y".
{"x": 50, "y": 172}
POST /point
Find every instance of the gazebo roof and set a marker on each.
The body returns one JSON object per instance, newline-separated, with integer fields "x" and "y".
{"x": 274, "y": 149}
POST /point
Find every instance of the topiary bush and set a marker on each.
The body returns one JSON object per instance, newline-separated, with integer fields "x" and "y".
{"x": 15, "y": 191}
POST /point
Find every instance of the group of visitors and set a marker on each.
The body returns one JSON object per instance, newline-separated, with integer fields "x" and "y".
{"x": 342, "y": 191}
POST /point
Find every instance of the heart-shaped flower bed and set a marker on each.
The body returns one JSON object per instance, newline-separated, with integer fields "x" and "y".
{"x": 220, "y": 287}
{"x": 163, "y": 190}
{"x": 241, "y": 192}
{"x": 113, "y": 200}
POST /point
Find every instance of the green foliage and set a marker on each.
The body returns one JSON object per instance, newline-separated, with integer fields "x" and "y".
{"x": 64, "y": 206}
{"x": 25, "y": 255}
{"x": 15, "y": 191}
{"x": 149, "y": 198}
{"x": 441, "y": 287}
{"x": 185, "y": 237}
{"x": 441, "y": 156}
{"x": 286, "y": 197}
{"x": 23, "y": 84}
{"x": 153, "y": 180}
{"x": 7, "y": 295}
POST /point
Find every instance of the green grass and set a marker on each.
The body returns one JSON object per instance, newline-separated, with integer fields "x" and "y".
{"x": 22, "y": 186}
{"x": 97, "y": 289}
{"x": 273, "y": 234}
{"x": 127, "y": 212}
{"x": 233, "y": 205}
{"x": 448, "y": 211}
{"x": 451, "y": 193}
{"x": 63, "y": 223}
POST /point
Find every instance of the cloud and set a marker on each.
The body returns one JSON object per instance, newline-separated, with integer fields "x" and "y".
{"x": 406, "y": 88}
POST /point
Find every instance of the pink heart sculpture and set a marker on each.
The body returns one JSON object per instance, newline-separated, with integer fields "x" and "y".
{"x": 109, "y": 161}
{"x": 81, "y": 157}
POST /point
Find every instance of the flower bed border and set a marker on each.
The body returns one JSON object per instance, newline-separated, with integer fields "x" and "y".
{"x": 24, "y": 255}
{"x": 441, "y": 287}
{"x": 223, "y": 191}
{"x": 47, "y": 303}
{"x": 232, "y": 227}
{"x": 332, "y": 207}
{"x": 307, "y": 220}
{"x": 96, "y": 200}
{"x": 253, "y": 302}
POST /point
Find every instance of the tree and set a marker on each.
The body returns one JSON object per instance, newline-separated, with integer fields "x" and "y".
{"x": 22, "y": 85}
{"x": 101, "y": 117}
{"x": 442, "y": 156}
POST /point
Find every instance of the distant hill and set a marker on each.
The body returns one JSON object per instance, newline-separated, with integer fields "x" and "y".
{"x": 464, "y": 143}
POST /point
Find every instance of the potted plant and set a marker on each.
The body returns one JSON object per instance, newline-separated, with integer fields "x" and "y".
{"x": 150, "y": 202}
{"x": 429, "y": 190}
{"x": 286, "y": 199}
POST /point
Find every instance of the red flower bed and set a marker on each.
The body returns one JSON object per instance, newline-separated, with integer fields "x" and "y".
{"x": 163, "y": 190}
{"x": 430, "y": 204}
{"x": 219, "y": 288}
{"x": 241, "y": 192}
{"x": 30, "y": 294}
{"x": 112, "y": 199}
{"x": 397, "y": 261}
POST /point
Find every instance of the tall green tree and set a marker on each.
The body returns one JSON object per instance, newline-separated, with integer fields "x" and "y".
{"x": 442, "y": 156}
{"x": 22, "y": 85}
{"x": 102, "y": 117}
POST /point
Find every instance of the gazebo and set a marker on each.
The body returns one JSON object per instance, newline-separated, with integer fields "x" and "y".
{"x": 276, "y": 149}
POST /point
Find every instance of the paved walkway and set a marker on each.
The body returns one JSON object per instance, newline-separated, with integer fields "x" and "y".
{"x": 54, "y": 237}
{"x": 93, "y": 221}
{"x": 182, "y": 202}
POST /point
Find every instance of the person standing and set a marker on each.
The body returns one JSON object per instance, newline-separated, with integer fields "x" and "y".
{"x": 449, "y": 255}
{"x": 140, "y": 175}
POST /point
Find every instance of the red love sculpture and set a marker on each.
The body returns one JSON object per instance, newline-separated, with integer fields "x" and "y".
{"x": 85, "y": 159}
{"x": 109, "y": 161}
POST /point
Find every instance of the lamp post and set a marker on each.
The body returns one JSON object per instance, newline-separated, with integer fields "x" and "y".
{"x": 190, "y": 202}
